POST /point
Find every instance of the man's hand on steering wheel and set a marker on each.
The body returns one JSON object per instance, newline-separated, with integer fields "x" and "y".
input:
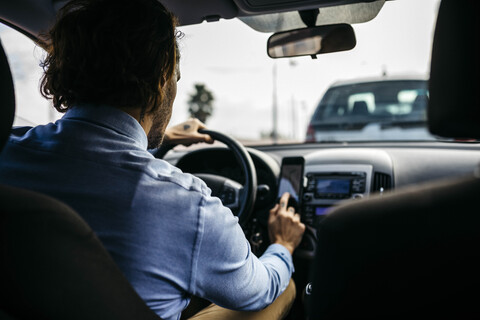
{"x": 186, "y": 133}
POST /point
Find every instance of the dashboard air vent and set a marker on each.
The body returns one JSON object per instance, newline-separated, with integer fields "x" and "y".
{"x": 381, "y": 182}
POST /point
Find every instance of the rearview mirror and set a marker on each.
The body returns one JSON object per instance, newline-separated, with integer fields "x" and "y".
{"x": 311, "y": 41}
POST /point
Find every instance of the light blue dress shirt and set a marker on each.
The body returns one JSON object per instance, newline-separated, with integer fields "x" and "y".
{"x": 166, "y": 233}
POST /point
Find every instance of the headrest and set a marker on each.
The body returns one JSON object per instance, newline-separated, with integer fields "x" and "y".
{"x": 420, "y": 103}
{"x": 360, "y": 108}
{"x": 7, "y": 98}
{"x": 454, "y": 108}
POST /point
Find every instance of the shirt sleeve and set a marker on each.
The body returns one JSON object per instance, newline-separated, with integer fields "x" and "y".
{"x": 226, "y": 272}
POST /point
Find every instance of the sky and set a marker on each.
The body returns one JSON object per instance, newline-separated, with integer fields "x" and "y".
{"x": 231, "y": 60}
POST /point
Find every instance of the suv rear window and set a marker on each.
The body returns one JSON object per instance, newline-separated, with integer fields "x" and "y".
{"x": 374, "y": 102}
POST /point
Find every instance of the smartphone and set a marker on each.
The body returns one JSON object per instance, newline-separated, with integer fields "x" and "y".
{"x": 291, "y": 180}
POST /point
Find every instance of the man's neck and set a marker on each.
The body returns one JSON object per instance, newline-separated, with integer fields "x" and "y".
{"x": 146, "y": 120}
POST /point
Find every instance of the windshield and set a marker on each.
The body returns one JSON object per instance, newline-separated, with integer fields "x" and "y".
{"x": 262, "y": 100}
{"x": 228, "y": 81}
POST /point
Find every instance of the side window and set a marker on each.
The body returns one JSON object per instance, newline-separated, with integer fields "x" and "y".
{"x": 24, "y": 58}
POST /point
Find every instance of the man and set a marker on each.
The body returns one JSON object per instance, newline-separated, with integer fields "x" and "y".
{"x": 112, "y": 66}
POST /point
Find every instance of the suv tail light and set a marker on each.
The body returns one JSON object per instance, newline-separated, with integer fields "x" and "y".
{"x": 310, "y": 134}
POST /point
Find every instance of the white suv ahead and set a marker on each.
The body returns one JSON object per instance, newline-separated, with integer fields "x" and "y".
{"x": 372, "y": 110}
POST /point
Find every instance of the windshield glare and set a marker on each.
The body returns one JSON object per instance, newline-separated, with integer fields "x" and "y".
{"x": 228, "y": 78}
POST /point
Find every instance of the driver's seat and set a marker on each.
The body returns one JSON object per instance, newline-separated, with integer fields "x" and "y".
{"x": 52, "y": 266}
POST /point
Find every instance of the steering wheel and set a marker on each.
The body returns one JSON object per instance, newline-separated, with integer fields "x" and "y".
{"x": 239, "y": 198}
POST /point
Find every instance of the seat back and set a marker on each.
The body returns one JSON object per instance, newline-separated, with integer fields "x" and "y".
{"x": 409, "y": 254}
{"x": 52, "y": 266}
{"x": 7, "y": 98}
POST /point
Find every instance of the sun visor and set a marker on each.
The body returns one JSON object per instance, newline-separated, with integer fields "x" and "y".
{"x": 266, "y": 6}
{"x": 454, "y": 108}
{"x": 350, "y": 14}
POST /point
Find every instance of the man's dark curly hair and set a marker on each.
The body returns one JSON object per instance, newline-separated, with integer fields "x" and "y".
{"x": 113, "y": 52}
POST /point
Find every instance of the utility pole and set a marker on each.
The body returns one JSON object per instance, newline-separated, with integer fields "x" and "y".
{"x": 294, "y": 118}
{"x": 274, "y": 105}
{"x": 292, "y": 63}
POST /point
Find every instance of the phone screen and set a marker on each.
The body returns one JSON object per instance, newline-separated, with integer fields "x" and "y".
{"x": 291, "y": 179}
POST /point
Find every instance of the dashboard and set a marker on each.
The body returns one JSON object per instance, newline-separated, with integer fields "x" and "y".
{"x": 333, "y": 174}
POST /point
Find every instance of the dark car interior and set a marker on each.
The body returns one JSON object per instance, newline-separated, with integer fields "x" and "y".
{"x": 403, "y": 242}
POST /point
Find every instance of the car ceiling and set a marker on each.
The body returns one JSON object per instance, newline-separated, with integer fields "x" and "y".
{"x": 41, "y": 13}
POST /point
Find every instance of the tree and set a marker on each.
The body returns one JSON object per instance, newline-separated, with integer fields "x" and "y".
{"x": 200, "y": 104}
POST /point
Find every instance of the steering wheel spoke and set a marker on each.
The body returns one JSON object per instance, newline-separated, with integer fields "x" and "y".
{"x": 230, "y": 194}
{"x": 227, "y": 190}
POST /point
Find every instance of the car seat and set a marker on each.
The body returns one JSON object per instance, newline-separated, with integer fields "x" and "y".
{"x": 52, "y": 266}
{"x": 414, "y": 252}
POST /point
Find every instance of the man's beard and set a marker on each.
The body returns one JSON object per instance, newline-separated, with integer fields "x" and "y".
{"x": 157, "y": 131}
{"x": 160, "y": 119}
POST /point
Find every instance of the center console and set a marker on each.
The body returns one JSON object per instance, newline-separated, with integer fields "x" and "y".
{"x": 327, "y": 185}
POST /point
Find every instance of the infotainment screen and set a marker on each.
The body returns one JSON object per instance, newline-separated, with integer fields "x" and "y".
{"x": 332, "y": 186}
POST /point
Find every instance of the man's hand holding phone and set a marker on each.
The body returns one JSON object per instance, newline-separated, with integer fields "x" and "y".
{"x": 284, "y": 225}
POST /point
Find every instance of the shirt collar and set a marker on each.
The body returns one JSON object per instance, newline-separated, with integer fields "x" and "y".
{"x": 110, "y": 117}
